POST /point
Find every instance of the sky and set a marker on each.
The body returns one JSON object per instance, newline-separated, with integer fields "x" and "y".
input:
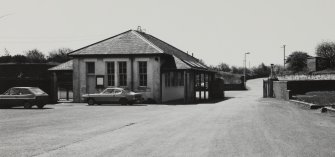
{"x": 215, "y": 31}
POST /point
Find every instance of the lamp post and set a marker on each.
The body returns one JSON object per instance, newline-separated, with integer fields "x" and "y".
{"x": 245, "y": 62}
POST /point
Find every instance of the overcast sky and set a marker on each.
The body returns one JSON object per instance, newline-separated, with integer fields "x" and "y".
{"x": 214, "y": 30}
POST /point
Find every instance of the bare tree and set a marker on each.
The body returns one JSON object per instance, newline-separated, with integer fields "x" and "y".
{"x": 59, "y": 55}
{"x": 327, "y": 50}
{"x": 35, "y": 56}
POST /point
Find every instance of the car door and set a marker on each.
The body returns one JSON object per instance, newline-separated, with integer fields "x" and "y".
{"x": 105, "y": 96}
{"x": 24, "y": 95}
{"x": 12, "y": 98}
{"x": 118, "y": 94}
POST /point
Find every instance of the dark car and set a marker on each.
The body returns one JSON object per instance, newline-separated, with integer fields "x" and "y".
{"x": 113, "y": 95}
{"x": 24, "y": 96}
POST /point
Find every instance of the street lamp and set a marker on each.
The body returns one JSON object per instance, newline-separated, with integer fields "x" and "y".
{"x": 245, "y": 62}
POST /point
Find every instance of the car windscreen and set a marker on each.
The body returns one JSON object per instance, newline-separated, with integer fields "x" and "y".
{"x": 37, "y": 91}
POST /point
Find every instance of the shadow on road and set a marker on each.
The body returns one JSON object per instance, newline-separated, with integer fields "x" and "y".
{"x": 213, "y": 101}
{"x": 19, "y": 108}
{"x": 119, "y": 105}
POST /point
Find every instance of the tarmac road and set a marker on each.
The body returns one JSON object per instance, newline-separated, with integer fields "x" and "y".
{"x": 244, "y": 125}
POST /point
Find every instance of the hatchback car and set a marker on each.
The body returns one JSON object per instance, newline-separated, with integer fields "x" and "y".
{"x": 24, "y": 96}
{"x": 113, "y": 95}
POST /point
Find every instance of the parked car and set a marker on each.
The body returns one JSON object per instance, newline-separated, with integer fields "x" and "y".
{"x": 113, "y": 95}
{"x": 24, "y": 96}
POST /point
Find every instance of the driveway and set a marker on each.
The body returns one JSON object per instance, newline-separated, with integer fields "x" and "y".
{"x": 243, "y": 125}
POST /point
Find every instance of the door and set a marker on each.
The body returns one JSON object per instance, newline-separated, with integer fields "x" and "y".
{"x": 11, "y": 97}
{"x": 118, "y": 94}
{"x": 106, "y": 96}
{"x": 90, "y": 84}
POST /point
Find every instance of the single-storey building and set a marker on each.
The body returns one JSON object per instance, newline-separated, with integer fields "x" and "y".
{"x": 142, "y": 63}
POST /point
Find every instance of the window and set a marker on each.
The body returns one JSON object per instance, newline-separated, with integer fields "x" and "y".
{"x": 24, "y": 92}
{"x": 117, "y": 91}
{"x": 122, "y": 73}
{"x": 14, "y": 91}
{"x": 108, "y": 91}
{"x": 174, "y": 79}
{"x": 90, "y": 67}
{"x": 181, "y": 79}
{"x": 143, "y": 73}
{"x": 110, "y": 74}
{"x": 37, "y": 91}
{"x": 167, "y": 79}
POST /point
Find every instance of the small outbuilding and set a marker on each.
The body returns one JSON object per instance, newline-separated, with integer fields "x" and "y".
{"x": 142, "y": 63}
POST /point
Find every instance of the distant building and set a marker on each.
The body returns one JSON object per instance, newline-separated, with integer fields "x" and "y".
{"x": 142, "y": 63}
{"x": 316, "y": 64}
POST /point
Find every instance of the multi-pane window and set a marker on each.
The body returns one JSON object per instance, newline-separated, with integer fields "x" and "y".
{"x": 90, "y": 67}
{"x": 174, "y": 79}
{"x": 122, "y": 73}
{"x": 143, "y": 73}
{"x": 110, "y": 73}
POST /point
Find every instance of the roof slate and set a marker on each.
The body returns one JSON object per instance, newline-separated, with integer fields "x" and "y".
{"x": 135, "y": 42}
{"x": 64, "y": 66}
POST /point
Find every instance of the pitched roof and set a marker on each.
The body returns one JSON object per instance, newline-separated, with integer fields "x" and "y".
{"x": 135, "y": 42}
{"x": 64, "y": 66}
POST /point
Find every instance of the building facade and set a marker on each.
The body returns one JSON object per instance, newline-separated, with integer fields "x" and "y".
{"x": 142, "y": 63}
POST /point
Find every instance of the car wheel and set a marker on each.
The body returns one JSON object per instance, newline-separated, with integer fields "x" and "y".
{"x": 123, "y": 101}
{"x": 27, "y": 105}
{"x": 90, "y": 102}
{"x": 40, "y": 106}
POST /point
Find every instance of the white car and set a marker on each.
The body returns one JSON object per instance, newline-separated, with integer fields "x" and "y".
{"x": 113, "y": 95}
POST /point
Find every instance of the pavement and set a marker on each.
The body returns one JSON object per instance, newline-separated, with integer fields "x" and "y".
{"x": 243, "y": 125}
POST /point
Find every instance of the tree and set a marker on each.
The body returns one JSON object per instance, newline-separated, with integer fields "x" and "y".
{"x": 278, "y": 69}
{"x": 297, "y": 61}
{"x": 59, "y": 55}
{"x": 35, "y": 56}
{"x": 262, "y": 70}
{"x": 223, "y": 67}
{"x": 213, "y": 67}
{"x": 6, "y": 58}
{"x": 19, "y": 59}
{"x": 327, "y": 50}
{"x": 237, "y": 70}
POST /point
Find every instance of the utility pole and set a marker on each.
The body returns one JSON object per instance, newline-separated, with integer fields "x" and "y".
{"x": 284, "y": 56}
{"x": 245, "y": 64}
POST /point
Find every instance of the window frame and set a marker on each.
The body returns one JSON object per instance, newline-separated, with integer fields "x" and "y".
{"x": 90, "y": 69}
{"x": 110, "y": 74}
{"x": 122, "y": 72}
{"x": 143, "y": 73}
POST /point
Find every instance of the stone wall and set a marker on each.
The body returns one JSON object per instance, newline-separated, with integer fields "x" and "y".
{"x": 286, "y": 89}
{"x": 280, "y": 90}
{"x": 307, "y": 77}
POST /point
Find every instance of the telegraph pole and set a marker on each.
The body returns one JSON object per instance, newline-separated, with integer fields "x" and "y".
{"x": 284, "y": 56}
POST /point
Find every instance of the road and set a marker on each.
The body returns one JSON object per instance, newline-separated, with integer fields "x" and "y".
{"x": 243, "y": 125}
